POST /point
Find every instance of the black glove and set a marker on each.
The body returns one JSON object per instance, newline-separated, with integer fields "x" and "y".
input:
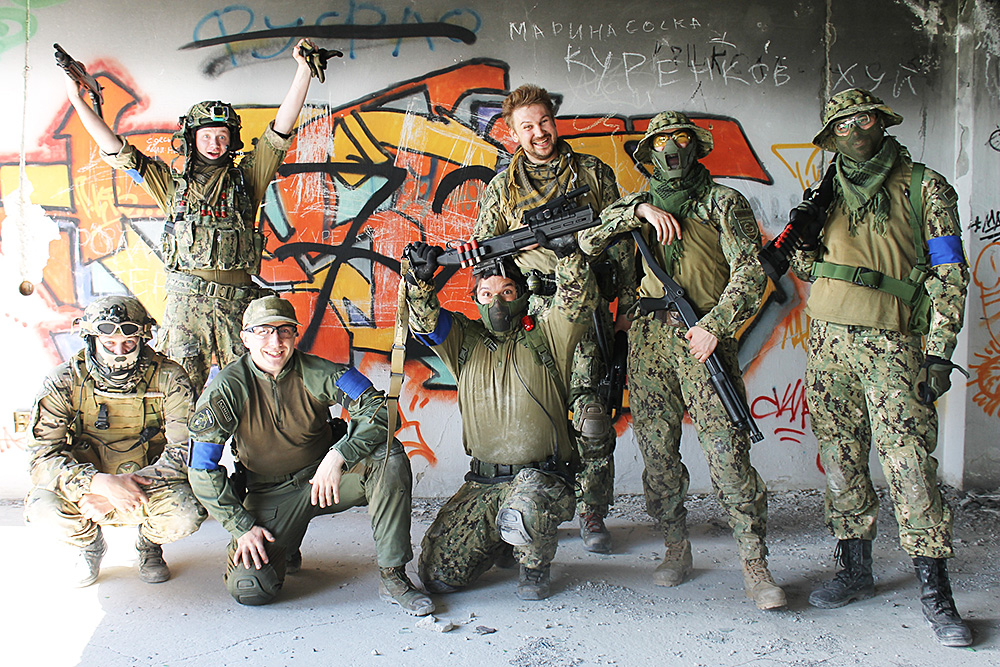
{"x": 934, "y": 378}
{"x": 562, "y": 246}
{"x": 316, "y": 59}
{"x": 423, "y": 261}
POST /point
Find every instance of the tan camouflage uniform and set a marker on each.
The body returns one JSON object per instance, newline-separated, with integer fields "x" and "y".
{"x": 67, "y": 450}
{"x": 665, "y": 379}
{"x": 212, "y": 253}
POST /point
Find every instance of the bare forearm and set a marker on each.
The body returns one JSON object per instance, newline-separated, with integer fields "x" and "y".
{"x": 290, "y": 107}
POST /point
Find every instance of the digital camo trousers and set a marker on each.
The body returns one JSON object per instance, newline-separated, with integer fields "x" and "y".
{"x": 664, "y": 380}
{"x": 859, "y": 388}
{"x": 463, "y": 542}
{"x": 170, "y": 513}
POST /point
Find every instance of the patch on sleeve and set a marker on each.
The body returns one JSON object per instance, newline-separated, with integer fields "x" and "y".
{"x": 202, "y": 420}
{"x": 746, "y": 224}
{"x": 224, "y": 411}
{"x": 353, "y": 383}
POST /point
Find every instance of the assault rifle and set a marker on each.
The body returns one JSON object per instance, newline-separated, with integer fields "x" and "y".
{"x": 549, "y": 222}
{"x": 611, "y": 386}
{"x": 673, "y": 298}
{"x": 77, "y": 72}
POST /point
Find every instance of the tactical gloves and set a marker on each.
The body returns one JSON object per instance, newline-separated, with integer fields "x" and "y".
{"x": 934, "y": 378}
{"x": 423, "y": 261}
{"x": 316, "y": 59}
{"x": 562, "y": 246}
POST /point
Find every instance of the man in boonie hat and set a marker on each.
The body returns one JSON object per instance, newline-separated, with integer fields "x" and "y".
{"x": 274, "y": 403}
{"x": 704, "y": 236}
{"x": 889, "y": 267}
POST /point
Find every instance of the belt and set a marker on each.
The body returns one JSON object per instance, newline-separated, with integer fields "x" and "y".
{"x": 185, "y": 283}
{"x": 223, "y": 276}
{"x": 480, "y": 471}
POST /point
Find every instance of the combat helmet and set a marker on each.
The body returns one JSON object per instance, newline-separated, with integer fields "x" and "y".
{"x": 668, "y": 121}
{"x": 111, "y": 315}
{"x": 211, "y": 113}
{"x": 847, "y": 103}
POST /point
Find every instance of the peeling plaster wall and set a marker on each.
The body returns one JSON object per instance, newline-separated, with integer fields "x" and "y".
{"x": 417, "y": 113}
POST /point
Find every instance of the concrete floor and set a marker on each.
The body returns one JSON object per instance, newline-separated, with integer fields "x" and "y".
{"x": 604, "y": 610}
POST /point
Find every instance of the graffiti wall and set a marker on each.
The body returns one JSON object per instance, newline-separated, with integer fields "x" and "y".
{"x": 400, "y": 140}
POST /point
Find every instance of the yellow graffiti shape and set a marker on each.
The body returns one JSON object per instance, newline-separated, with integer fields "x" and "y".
{"x": 352, "y": 287}
{"x": 50, "y": 181}
{"x": 141, "y": 271}
{"x": 803, "y": 161}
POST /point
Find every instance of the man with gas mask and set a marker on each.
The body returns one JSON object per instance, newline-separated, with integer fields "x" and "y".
{"x": 888, "y": 266}
{"x": 543, "y": 168}
{"x": 705, "y": 237}
{"x": 108, "y": 444}
{"x": 211, "y": 246}
{"x": 512, "y": 371}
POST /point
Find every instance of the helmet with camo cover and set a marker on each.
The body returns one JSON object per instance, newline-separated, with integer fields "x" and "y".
{"x": 211, "y": 113}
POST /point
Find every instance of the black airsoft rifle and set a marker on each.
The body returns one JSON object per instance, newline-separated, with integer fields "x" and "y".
{"x": 77, "y": 72}
{"x": 805, "y": 222}
{"x": 611, "y": 386}
{"x": 673, "y": 298}
{"x": 556, "y": 219}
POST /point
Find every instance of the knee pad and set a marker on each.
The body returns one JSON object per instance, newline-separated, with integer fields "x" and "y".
{"x": 253, "y": 587}
{"x": 510, "y": 523}
{"x": 593, "y": 422}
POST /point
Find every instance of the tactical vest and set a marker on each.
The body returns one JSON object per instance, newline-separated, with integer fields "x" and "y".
{"x": 118, "y": 433}
{"x": 909, "y": 291}
{"x": 220, "y": 236}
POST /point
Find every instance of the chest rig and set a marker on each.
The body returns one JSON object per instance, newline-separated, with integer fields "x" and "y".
{"x": 118, "y": 433}
{"x": 213, "y": 236}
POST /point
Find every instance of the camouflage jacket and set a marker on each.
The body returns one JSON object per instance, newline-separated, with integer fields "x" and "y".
{"x": 726, "y": 302}
{"x": 513, "y": 407}
{"x": 66, "y": 448}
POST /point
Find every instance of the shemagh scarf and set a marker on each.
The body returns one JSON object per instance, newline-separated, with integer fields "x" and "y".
{"x": 860, "y": 186}
{"x": 679, "y": 197}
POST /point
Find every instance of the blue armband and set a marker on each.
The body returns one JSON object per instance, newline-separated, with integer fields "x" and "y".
{"x": 441, "y": 331}
{"x": 353, "y": 383}
{"x": 135, "y": 175}
{"x": 946, "y": 250}
{"x": 204, "y": 455}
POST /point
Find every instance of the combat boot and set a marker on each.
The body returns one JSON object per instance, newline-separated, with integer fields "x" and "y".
{"x": 86, "y": 563}
{"x": 853, "y": 581}
{"x": 594, "y": 533}
{"x": 533, "y": 584}
{"x": 152, "y": 568}
{"x": 396, "y": 588}
{"x": 939, "y": 606}
{"x": 676, "y": 564}
{"x": 760, "y": 586}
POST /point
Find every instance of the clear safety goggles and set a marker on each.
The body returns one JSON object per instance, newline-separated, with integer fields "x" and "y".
{"x": 680, "y": 137}
{"x": 284, "y": 332}
{"x": 109, "y": 328}
{"x": 863, "y": 121}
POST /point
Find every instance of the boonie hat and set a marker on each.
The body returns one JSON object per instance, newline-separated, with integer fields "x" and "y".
{"x": 269, "y": 310}
{"x": 668, "y": 121}
{"x": 847, "y": 103}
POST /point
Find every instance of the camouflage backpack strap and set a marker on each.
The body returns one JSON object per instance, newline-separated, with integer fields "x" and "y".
{"x": 471, "y": 338}
{"x": 535, "y": 341}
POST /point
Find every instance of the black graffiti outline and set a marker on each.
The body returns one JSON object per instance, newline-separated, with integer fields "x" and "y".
{"x": 387, "y": 31}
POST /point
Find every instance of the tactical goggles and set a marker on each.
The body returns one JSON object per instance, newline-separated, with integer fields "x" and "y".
{"x": 284, "y": 332}
{"x": 680, "y": 137}
{"x": 863, "y": 121}
{"x": 108, "y": 328}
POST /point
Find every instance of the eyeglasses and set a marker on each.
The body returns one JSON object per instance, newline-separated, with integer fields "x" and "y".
{"x": 266, "y": 330}
{"x": 680, "y": 137}
{"x": 863, "y": 121}
{"x": 108, "y": 328}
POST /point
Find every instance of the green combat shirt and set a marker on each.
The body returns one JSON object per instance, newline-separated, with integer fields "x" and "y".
{"x": 717, "y": 265}
{"x": 894, "y": 254}
{"x": 513, "y": 408}
{"x": 210, "y": 243}
{"x": 66, "y": 447}
{"x": 279, "y": 425}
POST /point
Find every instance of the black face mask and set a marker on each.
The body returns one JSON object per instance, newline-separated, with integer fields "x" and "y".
{"x": 499, "y": 316}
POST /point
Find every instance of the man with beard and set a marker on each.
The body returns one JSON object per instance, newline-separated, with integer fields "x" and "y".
{"x": 211, "y": 246}
{"x": 543, "y": 168}
{"x": 888, "y": 266}
{"x": 512, "y": 373}
{"x": 705, "y": 236}
{"x": 109, "y": 442}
